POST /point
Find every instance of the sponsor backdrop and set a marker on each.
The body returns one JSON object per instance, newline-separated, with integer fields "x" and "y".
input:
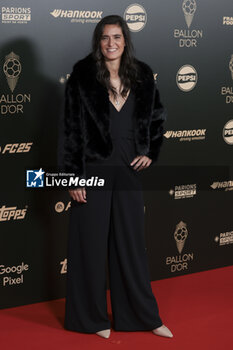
{"x": 188, "y": 202}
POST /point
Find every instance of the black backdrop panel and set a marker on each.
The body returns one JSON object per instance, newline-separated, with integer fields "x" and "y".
{"x": 188, "y": 193}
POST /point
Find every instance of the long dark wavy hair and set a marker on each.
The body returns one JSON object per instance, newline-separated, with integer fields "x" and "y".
{"x": 128, "y": 70}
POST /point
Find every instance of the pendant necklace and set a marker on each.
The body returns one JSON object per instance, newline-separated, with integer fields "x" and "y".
{"x": 117, "y": 102}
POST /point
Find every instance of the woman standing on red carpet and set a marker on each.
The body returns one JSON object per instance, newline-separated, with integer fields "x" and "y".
{"x": 114, "y": 125}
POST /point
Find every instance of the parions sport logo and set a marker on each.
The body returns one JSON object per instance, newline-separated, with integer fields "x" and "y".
{"x": 16, "y": 15}
{"x": 135, "y": 17}
{"x": 183, "y": 191}
{"x": 224, "y": 238}
{"x": 186, "y": 78}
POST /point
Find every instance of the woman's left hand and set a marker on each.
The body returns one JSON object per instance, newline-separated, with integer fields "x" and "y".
{"x": 141, "y": 162}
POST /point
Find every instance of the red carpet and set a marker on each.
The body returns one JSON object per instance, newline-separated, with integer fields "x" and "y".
{"x": 198, "y": 308}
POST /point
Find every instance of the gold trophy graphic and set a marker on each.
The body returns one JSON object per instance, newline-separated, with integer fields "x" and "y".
{"x": 12, "y": 69}
{"x": 180, "y": 235}
{"x": 231, "y": 66}
{"x": 189, "y": 8}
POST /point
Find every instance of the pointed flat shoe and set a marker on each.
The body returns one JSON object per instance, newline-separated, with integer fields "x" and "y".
{"x": 104, "y": 333}
{"x": 163, "y": 331}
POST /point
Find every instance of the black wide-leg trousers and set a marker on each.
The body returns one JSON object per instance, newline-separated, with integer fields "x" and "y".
{"x": 110, "y": 226}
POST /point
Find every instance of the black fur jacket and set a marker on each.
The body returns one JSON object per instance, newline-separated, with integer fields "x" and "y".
{"x": 85, "y": 127}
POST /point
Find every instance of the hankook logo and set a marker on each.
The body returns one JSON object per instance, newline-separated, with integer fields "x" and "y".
{"x": 186, "y": 135}
{"x": 78, "y": 16}
{"x": 222, "y": 185}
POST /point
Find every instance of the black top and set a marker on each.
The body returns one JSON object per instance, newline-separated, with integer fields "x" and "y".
{"x": 121, "y": 123}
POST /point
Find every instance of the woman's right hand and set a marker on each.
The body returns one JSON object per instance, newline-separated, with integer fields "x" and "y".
{"x": 79, "y": 194}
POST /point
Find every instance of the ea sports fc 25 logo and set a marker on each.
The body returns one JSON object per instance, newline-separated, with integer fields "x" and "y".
{"x": 135, "y": 16}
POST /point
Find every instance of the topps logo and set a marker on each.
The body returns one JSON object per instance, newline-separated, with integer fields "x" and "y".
{"x": 13, "y": 213}
{"x": 16, "y": 147}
